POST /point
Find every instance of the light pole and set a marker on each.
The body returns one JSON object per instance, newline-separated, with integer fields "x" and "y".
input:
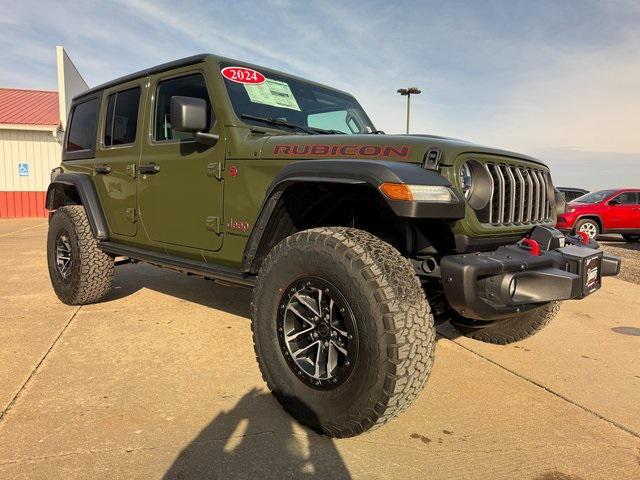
{"x": 408, "y": 92}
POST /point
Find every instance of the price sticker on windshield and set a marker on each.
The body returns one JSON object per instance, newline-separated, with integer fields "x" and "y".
{"x": 243, "y": 75}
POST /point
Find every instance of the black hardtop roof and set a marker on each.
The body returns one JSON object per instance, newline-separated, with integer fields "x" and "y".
{"x": 183, "y": 62}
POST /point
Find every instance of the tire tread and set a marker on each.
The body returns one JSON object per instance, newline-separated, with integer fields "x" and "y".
{"x": 96, "y": 267}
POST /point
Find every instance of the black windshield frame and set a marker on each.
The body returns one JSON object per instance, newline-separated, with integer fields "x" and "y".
{"x": 311, "y": 98}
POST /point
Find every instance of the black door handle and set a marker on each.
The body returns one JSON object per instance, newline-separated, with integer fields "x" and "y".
{"x": 102, "y": 169}
{"x": 149, "y": 169}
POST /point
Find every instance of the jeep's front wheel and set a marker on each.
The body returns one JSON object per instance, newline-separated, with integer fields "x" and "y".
{"x": 508, "y": 330}
{"x": 343, "y": 334}
{"x": 80, "y": 272}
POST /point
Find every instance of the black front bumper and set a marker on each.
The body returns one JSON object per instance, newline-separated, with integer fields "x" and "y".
{"x": 512, "y": 279}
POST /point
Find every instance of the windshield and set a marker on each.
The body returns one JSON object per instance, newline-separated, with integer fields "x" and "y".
{"x": 594, "y": 197}
{"x": 296, "y": 102}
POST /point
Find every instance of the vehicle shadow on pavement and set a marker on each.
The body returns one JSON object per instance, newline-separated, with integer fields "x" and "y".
{"x": 257, "y": 439}
{"x": 131, "y": 278}
{"x": 229, "y": 299}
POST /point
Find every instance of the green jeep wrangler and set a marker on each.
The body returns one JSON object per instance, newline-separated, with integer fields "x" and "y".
{"x": 354, "y": 242}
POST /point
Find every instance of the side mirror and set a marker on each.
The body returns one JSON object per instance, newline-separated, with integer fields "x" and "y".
{"x": 614, "y": 202}
{"x": 189, "y": 114}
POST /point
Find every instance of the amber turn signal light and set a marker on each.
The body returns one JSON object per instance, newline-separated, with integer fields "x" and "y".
{"x": 397, "y": 191}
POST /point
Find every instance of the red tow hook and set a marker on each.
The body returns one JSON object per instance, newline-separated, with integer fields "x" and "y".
{"x": 586, "y": 240}
{"x": 533, "y": 245}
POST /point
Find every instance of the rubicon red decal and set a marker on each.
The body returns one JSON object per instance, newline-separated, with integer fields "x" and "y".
{"x": 369, "y": 151}
{"x": 243, "y": 75}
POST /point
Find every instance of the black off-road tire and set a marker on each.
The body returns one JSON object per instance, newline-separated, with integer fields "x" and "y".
{"x": 90, "y": 273}
{"x": 591, "y": 224}
{"x": 509, "y": 330}
{"x": 631, "y": 237}
{"x": 396, "y": 336}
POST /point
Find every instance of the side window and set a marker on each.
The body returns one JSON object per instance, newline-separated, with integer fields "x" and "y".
{"x": 573, "y": 195}
{"x": 188, "y": 86}
{"x": 82, "y": 131}
{"x": 627, "y": 198}
{"x": 122, "y": 117}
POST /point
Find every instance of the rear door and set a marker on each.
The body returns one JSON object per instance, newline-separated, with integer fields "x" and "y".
{"x": 117, "y": 156}
{"x": 181, "y": 200}
{"x": 626, "y": 213}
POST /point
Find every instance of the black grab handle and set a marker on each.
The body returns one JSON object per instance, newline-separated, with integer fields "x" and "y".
{"x": 149, "y": 169}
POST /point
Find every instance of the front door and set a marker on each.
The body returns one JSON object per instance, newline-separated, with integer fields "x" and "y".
{"x": 117, "y": 156}
{"x": 625, "y": 213}
{"x": 180, "y": 186}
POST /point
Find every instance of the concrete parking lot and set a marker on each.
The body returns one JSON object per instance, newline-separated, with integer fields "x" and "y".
{"x": 160, "y": 381}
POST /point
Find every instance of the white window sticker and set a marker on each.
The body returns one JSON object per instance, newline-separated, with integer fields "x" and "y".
{"x": 274, "y": 93}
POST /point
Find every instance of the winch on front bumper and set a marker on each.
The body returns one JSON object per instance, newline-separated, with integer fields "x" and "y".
{"x": 545, "y": 266}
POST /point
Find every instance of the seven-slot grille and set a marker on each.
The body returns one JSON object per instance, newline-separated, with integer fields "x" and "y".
{"x": 519, "y": 196}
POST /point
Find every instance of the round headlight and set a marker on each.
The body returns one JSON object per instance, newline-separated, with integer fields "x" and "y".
{"x": 475, "y": 183}
{"x": 466, "y": 179}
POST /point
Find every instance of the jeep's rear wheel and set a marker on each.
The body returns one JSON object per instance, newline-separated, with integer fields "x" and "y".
{"x": 631, "y": 237}
{"x": 343, "y": 334}
{"x": 508, "y": 330}
{"x": 80, "y": 272}
{"x": 588, "y": 226}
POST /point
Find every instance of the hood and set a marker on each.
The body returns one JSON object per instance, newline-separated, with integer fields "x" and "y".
{"x": 402, "y": 148}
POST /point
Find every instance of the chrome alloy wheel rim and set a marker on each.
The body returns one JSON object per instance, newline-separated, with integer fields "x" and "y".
{"x": 317, "y": 333}
{"x": 588, "y": 228}
{"x": 64, "y": 260}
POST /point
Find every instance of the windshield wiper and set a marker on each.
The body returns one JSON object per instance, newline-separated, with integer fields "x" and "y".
{"x": 279, "y": 122}
{"x": 327, "y": 132}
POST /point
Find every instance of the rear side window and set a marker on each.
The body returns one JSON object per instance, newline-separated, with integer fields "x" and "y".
{"x": 187, "y": 86}
{"x": 122, "y": 117}
{"x": 82, "y": 131}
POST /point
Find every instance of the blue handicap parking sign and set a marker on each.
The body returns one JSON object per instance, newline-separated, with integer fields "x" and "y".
{"x": 23, "y": 169}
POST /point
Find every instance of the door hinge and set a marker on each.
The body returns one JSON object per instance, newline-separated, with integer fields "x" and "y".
{"x": 214, "y": 169}
{"x": 131, "y": 170}
{"x": 213, "y": 224}
{"x": 131, "y": 214}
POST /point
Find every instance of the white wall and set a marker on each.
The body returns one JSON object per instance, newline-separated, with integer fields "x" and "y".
{"x": 40, "y": 149}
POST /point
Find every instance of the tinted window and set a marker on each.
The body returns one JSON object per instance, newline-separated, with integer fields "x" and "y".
{"x": 188, "y": 86}
{"x": 627, "y": 198}
{"x": 572, "y": 195}
{"x": 122, "y": 117}
{"x": 82, "y": 131}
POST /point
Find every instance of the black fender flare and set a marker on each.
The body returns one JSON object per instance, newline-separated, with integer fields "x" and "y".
{"x": 82, "y": 184}
{"x": 354, "y": 172}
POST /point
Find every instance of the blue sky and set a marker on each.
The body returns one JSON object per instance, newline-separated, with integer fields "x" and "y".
{"x": 556, "y": 79}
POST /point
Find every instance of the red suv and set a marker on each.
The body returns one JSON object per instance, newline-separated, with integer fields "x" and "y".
{"x": 605, "y": 211}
